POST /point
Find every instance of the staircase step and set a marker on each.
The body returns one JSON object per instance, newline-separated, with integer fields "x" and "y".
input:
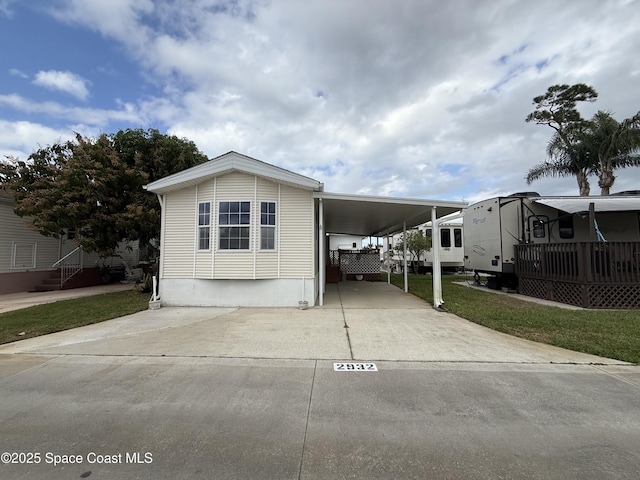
{"x": 47, "y": 288}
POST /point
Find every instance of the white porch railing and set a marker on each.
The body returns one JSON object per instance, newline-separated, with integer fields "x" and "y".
{"x": 69, "y": 265}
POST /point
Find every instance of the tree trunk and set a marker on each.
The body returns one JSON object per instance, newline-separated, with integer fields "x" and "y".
{"x": 583, "y": 184}
{"x": 606, "y": 181}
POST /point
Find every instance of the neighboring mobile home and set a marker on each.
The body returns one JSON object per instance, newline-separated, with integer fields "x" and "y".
{"x": 25, "y": 255}
{"x": 28, "y": 260}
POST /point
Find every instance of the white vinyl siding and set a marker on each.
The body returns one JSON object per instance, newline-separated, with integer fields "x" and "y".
{"x": 178, "y": 243}
{"x": 296, "y": 233}
{"x": 267, "y": 260}
{"x": 293, "y": 256}
{"x": 16, "y": 230}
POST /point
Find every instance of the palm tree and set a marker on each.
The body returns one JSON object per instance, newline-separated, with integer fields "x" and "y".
{"x": 567, "y": 158}
{"x": 611, "y": 145}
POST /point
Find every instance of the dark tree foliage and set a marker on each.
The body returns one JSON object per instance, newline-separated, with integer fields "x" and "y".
{"x": 557, "y": 109}
{"x": 94, "y": 187}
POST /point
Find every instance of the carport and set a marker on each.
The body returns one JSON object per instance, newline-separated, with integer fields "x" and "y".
{"x": 376, "y": 216}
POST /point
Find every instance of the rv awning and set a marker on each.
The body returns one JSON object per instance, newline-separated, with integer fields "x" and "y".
{"x": 378, "y": 216}
{"x": 581, "y": 204}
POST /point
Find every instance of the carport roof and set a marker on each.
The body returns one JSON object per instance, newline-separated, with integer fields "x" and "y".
{"x": 378, "y": 216}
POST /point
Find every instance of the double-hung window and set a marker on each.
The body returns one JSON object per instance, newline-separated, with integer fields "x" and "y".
{"x": 267, "y": 225}
{"x": 204, "y": 225}
{"x": 234, "y": 220}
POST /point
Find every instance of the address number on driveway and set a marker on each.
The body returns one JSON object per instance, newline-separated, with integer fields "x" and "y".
{"x": 355, "y": 367}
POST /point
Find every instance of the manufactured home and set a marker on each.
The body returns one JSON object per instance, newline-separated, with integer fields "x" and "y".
{"x": 236, "y": 231}
{"x": 569, "y": 249}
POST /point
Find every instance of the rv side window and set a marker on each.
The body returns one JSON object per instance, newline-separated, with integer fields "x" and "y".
{"x": 538, "y": 229}
{"x": 538, "y": 226}
{"x": 428, "y": 232}
{"x": 565, "y": 224}
{"x": 457, "y": 237}
{"x": 445, "y": 238}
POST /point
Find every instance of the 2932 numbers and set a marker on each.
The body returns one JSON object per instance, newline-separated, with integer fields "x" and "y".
{"x": 363, "y": 367}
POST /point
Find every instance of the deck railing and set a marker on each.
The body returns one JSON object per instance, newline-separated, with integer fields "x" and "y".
{"x": 610, "y": 262}
{"x": 600, "y": 274}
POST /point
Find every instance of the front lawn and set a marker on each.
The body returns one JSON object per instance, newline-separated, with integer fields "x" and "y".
{"x": 607, "y": 333}
{"x": 66, "y": 314}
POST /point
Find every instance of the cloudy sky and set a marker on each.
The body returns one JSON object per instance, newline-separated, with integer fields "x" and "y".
{"x": 412, "y": 98}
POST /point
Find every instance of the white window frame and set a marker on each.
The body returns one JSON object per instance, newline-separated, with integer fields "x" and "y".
{"x": 204, "y": 227}
{"x": 239, "y": 225}
{"x": 269, "y": 226}
{"x": 14, "y": 256}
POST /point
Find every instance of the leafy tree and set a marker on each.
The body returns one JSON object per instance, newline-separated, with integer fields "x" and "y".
{"x": 417, "y": 244}
{"x": 611, "y": 145}
{"x": 94, "y": 187}
{"x": 557, "y": 109}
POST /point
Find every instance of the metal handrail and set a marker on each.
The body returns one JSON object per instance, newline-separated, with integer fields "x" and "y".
{"x": 68, "y": 268}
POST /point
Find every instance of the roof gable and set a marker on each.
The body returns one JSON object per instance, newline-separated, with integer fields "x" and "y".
{"x": 228, "y": 163}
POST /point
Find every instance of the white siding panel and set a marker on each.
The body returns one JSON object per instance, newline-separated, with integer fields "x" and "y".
{"x": 16, "y": 229}
{"x": 179, "y": 234}
{"x": 267, "y": 261}
{"x": 296, "y": 233}
{"x": 233, "y": 264}
{"x": 267, "y": 265}
{"x": 203, "y": 264}
{"x": 205, "y": 191}
{"x": 267, "y": 191}
{"x": 235, "y": 186}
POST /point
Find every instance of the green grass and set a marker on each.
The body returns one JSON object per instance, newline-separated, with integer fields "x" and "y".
{"x": 607, "y": 333}
{"x": 66, "y": 314}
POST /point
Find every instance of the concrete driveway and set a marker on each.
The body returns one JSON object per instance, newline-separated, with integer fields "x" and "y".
{"x": 252, "y": 393}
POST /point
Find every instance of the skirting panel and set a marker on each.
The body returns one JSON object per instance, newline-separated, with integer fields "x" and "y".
{"x": 283, "y": 292}
{"x": 609, "y": 295}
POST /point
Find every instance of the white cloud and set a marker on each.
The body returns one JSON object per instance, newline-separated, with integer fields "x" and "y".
{"x": 18, "y": 73}
{"x": 420, "y": 98}
{"x": 5, "y": 7}
{"x": 93, "y": 116}
{"x": 67, "y": 82}
{"x": 21, "y": 138}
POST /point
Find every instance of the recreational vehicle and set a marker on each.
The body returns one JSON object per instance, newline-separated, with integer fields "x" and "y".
{"x": 576, "y": 240}
{"x": 451, "y": 246}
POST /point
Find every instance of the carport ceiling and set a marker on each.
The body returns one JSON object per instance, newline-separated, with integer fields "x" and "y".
{"x": 378, "y": 216}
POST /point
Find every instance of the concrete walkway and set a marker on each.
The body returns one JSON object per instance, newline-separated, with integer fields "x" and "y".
{"x": 205, "y": 393}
